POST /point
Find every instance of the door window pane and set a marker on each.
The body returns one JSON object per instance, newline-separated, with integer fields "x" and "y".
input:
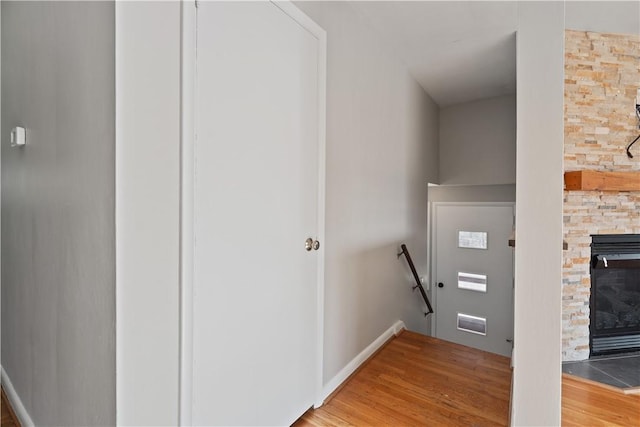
{"x": 472, "y": 282}
{"x": 473, "y": 324}
{"x": 472, "y": 239}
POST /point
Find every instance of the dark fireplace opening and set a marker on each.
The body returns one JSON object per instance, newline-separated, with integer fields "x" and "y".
{"x": 615, "y": 294}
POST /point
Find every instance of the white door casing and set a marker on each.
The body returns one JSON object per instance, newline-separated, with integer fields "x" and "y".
{"x": 253, "y": 192}
{"x": 474, "y": 306}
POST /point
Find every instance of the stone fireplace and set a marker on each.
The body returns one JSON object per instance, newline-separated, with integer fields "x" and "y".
{"x": 602, "y": 76}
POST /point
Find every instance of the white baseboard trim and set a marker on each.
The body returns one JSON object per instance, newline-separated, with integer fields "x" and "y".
{"x": 15, "y": 401}
{"x": 365, "y": 354}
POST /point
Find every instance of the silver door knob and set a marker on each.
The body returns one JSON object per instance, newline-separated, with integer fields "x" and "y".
{"x": 311, "y": 244}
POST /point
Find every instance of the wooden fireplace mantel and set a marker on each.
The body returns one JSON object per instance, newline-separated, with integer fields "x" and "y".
{"x": 602, "y": 180}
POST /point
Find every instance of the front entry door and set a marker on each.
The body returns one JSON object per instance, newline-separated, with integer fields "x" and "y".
{"x": 474, "y": 275}
{"x": 257, "y": 214}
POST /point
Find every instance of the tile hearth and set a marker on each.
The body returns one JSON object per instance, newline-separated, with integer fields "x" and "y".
{"x": 621, "y": 370}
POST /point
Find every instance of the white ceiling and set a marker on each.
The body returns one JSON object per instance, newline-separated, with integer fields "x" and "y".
{"x": 461, "y": 51}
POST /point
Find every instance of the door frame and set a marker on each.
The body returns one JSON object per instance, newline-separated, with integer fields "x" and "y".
{"x": 432, "y": 245}
{"x": 187, "y": 170}
{"x": 147, "y": 89}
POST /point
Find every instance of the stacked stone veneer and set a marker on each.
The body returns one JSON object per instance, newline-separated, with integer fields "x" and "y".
{"x": 602, "y": 75}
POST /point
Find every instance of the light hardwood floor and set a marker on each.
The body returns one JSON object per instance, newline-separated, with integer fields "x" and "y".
{"x": 418, "y": 380}
{"x": 8, "y": 417}
{"x": 587, "y": 404}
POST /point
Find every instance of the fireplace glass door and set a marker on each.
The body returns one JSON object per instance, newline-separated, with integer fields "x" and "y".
{"x": 615, "y": 303}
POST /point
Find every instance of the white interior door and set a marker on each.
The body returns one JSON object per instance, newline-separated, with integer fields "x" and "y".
{"x": 474, "y": 275}
{"x": 256, "y": 202}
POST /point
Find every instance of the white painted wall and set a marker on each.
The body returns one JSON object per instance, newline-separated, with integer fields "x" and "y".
{"x": 58, "y": 252}
{"x": 478, "y": 142}
{"x": 382, "y": 132}
{"x": 147, "y": 211}
{"x": 537, "y": 353}
{"x": 604, "y": 16}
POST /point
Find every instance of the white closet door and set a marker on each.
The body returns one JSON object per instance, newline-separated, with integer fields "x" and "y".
{"x": 256, "y": 202}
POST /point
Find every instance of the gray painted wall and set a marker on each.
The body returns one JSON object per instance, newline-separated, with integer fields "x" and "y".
{"x": 58, "y": 253}
{"x": 603, "y": 16}
{"x": 382, "y": 133}
{"x": 473, "y": 193}
{"x": 478, "y": 142}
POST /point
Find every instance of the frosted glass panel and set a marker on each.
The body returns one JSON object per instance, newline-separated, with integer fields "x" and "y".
{"x": 473, "y": 324}
{"x": 472, "y": 282}
{"x": 472, "y": 239}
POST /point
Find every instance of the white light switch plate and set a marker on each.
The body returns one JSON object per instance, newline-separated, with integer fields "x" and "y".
{"x": 18, "y": 136}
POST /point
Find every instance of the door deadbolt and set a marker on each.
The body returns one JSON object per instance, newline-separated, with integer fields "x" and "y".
{"x": 441, "y": 285}
{"x": 311, "y": 244}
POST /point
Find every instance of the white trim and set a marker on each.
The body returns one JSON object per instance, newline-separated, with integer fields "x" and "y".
{"x": 15, "y": 401}
{"x": 430, "y": 269}
{"x": 147, "y": 178}
{"x": 188, "y": 125}
{"x": 357, "y": 361}
{"x": 435, "y": 204}
{"x": 305, "y": 22}
{"x": 322, "y": 165}
{"x": 187, "y": 239}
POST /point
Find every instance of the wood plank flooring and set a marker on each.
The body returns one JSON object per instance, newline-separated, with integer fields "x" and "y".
{"x": 418, "y": 380}
{"x": 587, "y": 404}
{"x": 8, "y": 418}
